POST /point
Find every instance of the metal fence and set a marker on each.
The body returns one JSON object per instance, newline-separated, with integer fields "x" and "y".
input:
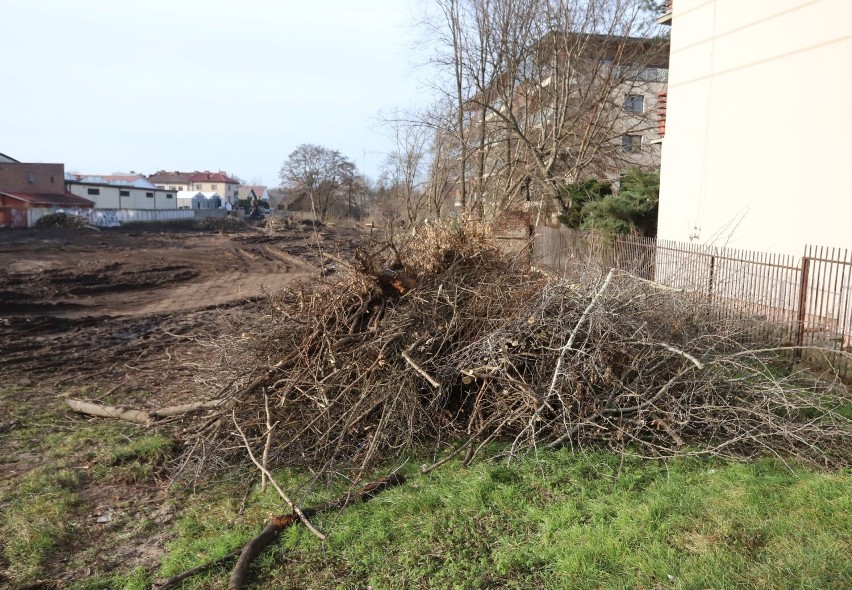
{"x": 803, "y": 302}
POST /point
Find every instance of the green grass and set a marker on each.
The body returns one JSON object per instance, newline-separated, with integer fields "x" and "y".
{"x": 42, "y": 510}
{"x": 585, "y": 520}
{"x": 564, "y": 520}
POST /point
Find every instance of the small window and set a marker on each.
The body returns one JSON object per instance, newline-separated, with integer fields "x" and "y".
{"x": 198, "y": 187}
{"x": 122, "y": 193}
{"x": 169, "y": 196}
{"x": 93, "y": 191}
{"x": 51, "y": 180}
{"x": 631, "y": 144}
{"x": 172, "y": 188}
{"x": 149, "y": 195}
{"x": 213, "y": 187}
{"x": 634, "y": 103}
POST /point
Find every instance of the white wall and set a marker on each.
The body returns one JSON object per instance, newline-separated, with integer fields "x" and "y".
{"x": 758, "y": 138}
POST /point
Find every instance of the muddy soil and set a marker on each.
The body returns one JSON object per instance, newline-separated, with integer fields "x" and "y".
{"x": 127, "y": 316}
{"x": 80, "y": 303}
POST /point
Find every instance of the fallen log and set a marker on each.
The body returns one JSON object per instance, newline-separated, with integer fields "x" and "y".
{"x": 118, "y": 412}
{"x": 180, "y": 410}
{"x": 145, "y": 418}
{"x": 272, "y": 531}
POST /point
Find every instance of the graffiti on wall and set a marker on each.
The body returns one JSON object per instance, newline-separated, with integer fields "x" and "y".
{"x": 17, "y": 217}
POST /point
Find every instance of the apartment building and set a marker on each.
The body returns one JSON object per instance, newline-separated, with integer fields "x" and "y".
{"x": 581, "y": 107}
{"x": 205, "y": 182}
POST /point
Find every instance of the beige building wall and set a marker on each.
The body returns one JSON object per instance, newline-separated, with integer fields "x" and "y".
{"x": 122, "y": 197}
{"x": 642, "y": 124}
{"x": 758, "y": 140}
{"x": 227, "y": 191}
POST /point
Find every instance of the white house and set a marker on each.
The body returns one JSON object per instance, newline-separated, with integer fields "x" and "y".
{"x": 757, "y": 124}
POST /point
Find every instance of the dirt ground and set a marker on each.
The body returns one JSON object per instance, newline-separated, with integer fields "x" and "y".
{"x": 125, "y": 316}
{"x": 93, "y": 304}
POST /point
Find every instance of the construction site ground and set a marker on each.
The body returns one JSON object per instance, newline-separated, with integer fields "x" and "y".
{"x": 125, "y": 316}
{"x": 82, "y": 303}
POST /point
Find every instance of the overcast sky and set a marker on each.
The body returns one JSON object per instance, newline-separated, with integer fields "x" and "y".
{"x": 116, "y": 85}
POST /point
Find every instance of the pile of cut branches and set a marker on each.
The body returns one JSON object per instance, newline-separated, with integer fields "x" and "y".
{"x": 444, "y": 342}
{"x": 227, "y": 223}
{"x": 61, "y": 221}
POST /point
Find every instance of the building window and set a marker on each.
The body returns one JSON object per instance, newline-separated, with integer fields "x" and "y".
{"x": 631, "y": 144}
{"x": 149, "y": 195}
{"x": 212, "y": 187}
{"x": 198, "y": 187}
{"x": 122, "y": 193}
{"x": 634, "y": 103}
{"x": 93, "y": 191}
{"x": 169, "y": 195}
{"x": 171, "y": 188}
{"x": 51, "y": 180}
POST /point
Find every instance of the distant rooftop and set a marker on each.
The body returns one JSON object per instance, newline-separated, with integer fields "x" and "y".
{"x": 135, "y": 181}
{"x": 177, "y": 177}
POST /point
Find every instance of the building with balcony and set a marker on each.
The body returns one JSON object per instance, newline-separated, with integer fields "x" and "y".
{"x": 579, "y": 107}
{"x": 756, "y": 124}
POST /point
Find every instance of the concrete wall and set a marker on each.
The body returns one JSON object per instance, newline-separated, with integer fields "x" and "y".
{"x": 758, "y": 125}
{"x": 12, "y": 217}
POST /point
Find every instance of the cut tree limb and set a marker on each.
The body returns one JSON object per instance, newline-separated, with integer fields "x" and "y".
{"x": 145, "y": 418}
{"x": 171, "y": 411}
{"x": 420, "y": 371}
{"x": 118, "y": 412}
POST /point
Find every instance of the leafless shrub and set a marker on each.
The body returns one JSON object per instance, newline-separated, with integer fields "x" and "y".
{"x": 445, "y": 342}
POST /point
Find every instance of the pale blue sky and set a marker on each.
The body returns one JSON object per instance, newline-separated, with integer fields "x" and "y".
{"x": 117, "y": 85}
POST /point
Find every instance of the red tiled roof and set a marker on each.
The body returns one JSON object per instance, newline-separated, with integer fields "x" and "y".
{"x": 61, "y": 200}
{"x": 164, "y": 177}
{"x": 213, "y": 177}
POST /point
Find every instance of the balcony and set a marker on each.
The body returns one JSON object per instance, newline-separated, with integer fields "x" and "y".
{"x": 662, "y": 102}
{"x": 666, "y": 17}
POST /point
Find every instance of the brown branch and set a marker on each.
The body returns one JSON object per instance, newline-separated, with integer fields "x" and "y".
{"x": 420, "y": 371}
{"x": 274, "y": 483}
{"x": 272, "y": 531}
{"x": 252, "y": 549}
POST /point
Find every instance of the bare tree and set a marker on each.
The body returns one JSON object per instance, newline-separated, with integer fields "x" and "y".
{"x": 543, "y": 86}
{"x": 324, "y": 174}
{"x": 405, "y": 167}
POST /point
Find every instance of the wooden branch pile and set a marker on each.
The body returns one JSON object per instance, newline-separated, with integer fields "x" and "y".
{"x": 444, "y": 341}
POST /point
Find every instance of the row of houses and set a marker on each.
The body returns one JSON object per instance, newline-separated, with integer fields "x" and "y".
{"x": 26, "y": 185}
